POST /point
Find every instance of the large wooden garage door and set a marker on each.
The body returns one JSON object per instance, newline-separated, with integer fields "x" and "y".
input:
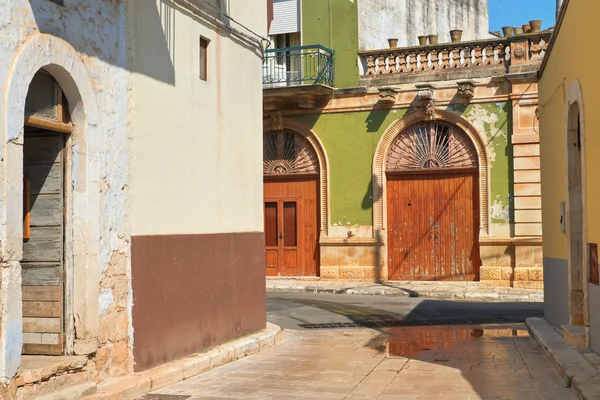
{"x": 291, "y": 201}
{"x": 432, "y": 226}
{"x": 432, "y": 205}
{"x": 42, "y": 263}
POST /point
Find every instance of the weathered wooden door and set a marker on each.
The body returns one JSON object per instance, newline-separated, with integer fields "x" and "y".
{"x": 43, "y": 260}
{"x": 291, "y": 195}
{"x": 432, "y": 204}
{"x": 433, "y": 226}
{"x": 283, "y": 250}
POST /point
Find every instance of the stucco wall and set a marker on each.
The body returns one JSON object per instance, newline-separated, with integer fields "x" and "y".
{"x": 351, "y": 139}
{"x": 83, "y": 46}
{"x": 334, "y": 24}
{"x": 197, "y": 152}
{"x": 407, "y": 19}
{"x": 564, "y": 81}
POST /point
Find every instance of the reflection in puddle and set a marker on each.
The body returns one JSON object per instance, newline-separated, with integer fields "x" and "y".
{"x": 409, "y": 342}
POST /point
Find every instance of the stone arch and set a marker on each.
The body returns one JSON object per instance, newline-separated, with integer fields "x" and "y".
{"x": 61, "y": 60}
{"x": 382, "y": 150}
{"x": 308, "y": 134}
{"x": 576, "y": 206}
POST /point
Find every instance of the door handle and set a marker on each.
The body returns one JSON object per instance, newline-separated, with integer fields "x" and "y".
{"x": 281, "y": 235}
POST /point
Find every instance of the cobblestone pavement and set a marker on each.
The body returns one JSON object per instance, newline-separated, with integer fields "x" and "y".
{"x": 441, "y": 290}
{"x": 415, "y": 363}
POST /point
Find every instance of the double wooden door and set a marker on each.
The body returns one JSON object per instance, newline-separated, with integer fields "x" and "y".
{"x": 291, "y": 227}
{"x": 433, "y": 226}
{"x": 43, "y": 238}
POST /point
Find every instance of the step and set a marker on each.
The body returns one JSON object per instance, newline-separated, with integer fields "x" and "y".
{"x": 574, "y": 335}
{"x": 72, "y": 392}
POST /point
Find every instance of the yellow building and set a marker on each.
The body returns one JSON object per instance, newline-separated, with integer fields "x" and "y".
{"x": 570, "y": 175}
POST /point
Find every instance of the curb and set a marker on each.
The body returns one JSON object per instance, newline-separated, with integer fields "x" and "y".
{"x": 135, "y": 385}
{"x": 573, "y": 367}
{"x": 399, "y": 292}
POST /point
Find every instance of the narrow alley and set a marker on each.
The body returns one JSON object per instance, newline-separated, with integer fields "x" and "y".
{"x": 368, "y": 347}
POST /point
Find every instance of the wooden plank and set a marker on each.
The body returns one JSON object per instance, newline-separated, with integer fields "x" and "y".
{"x": 43, "y": 349}
{"x": 46, "y": 210}
{"x": 42, "y": 309}
{"x": 44, "y": 245}
{"x": 48, "y": 124}
{"x": 26, "y": 208}
{"x": 42, "y": 293}
{"x": 41, "y": 338}
{"x": 41, "y": 274}
{"x": 45, "y": 178}
{"x": 43, "y": 148}
{"x": 41, "y": 325}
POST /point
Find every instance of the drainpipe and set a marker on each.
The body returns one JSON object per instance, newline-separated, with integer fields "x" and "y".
{"x": 331, "y": 26}
{"x": 558, "y": 5}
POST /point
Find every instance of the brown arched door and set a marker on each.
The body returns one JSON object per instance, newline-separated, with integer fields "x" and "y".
{"x": 291, "y": 201}
{"x": 432, "y": 204}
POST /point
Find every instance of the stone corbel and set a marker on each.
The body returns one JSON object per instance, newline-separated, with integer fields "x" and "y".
{"x": 426, "y": 94}
{"x": 466, "y": 89}
{"x": 387, "y": 95}
{"x": 276, "y": 121}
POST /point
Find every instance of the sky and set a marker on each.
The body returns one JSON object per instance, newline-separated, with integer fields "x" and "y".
{"x": 519, "y": 12}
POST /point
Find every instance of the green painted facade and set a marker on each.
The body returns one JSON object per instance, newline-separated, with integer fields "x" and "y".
{"x": 350, "y": 140}
{"x": 334, "y": 24}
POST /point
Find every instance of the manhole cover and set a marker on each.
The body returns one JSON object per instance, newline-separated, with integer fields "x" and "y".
{"x": 406, "y": 322}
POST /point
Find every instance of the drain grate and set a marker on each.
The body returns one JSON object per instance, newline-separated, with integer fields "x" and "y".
{"x": 163, "y": 397}
{"x": 406, "y": 322}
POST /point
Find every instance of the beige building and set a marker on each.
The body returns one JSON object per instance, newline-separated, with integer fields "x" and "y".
{"x": 130, "y": 185}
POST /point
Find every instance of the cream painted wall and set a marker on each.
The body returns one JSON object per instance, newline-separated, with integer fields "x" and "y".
{"x": 569, "y": 61}
{"x": 197, "y": 146}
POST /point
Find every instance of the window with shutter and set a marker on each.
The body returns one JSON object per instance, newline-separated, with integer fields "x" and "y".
{"x": 286, "y": 17}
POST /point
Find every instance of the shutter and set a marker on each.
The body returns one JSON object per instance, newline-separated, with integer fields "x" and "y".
{"x": 286, "y": 17}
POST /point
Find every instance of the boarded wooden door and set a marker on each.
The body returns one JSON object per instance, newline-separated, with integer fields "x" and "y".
{"x": 433, "y": 226}
{"x": 291, "y": 226}
{"x": 42, "y": 264}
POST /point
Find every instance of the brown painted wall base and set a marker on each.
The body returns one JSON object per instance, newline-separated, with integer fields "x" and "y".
{"x": 191, "y": 292}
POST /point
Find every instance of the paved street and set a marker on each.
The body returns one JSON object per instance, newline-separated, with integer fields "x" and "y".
{"x": 333, "y": 348}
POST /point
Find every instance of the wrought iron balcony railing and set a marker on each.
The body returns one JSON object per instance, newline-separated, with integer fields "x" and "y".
{"x": 296, "y": 66}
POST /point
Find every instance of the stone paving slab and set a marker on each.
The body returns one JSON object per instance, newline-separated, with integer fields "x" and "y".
{"x": 573, "y": 366}
{"x": 449, "y": 290}
{"x": 132, "y": 386}
{"x": 445, "y": 363}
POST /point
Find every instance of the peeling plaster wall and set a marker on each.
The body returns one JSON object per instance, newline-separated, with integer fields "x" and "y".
{"x": 405, "y": 20}
{"x": 85, "y": 42}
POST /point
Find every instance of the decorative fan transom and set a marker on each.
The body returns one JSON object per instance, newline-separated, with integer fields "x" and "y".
{"x": 431, "y": 145}
{"x": 286, "y": 152}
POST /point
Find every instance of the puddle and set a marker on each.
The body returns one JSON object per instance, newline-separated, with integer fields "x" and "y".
{"x": 410, "y": 342}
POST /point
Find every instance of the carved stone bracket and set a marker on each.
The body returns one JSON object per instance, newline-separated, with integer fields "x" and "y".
{"x": 426, "y": 94}
{"x": 466, "y": 89}
{"x": 387, "y": 95}
{"x": 276, "y": 121}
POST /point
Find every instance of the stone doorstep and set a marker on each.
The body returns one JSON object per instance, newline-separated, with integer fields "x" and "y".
{"x": 135, "y": 385}
{"x": 572, "y": 365}
{"x": 35, "y": 369}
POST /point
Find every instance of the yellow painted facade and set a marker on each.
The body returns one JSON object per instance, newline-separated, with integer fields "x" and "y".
{"x": 571, "y": 60}
{"x": 569, "y": 125}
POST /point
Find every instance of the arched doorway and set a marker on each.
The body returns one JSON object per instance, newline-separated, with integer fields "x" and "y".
{"x": 291, "y": 200}
{"x": 432, "y": 195}
{"x": 47, "y": 129}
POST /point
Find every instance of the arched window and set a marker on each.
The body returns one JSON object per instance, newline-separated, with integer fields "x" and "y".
{"x": 286, "y": 152}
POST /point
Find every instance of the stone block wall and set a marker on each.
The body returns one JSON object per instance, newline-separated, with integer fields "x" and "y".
{"x": 512, "y": 263}
{"x": 353, "y": 260}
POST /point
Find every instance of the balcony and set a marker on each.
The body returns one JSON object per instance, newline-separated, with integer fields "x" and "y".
{"x": 297, "y": 77}
{"x": 297, "y": 66}
{"x": 520, "y": 54}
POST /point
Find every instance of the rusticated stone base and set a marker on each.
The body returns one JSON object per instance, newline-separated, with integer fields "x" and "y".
{"x": 512, "y": 262}
{"x": 353, "y": 260}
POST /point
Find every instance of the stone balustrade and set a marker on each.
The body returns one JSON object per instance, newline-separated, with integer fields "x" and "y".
{"x": 494, "y": 53}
